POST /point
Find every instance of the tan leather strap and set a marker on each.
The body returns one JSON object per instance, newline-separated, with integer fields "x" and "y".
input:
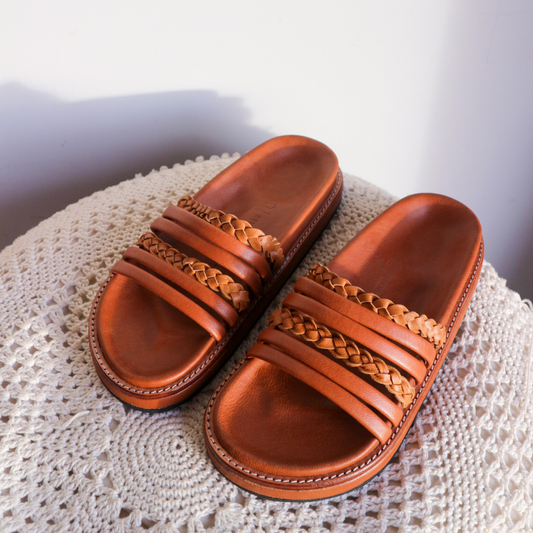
{"x": 337, "y": 373}
{"x": 182, "y": 280}
{"x": 226, "y": 242}
{"x": 420, "y": 324}
{"x": 173, "y": 297}
{"x": 345, "y": 400}
{"x": 202, "y": 272}
{"x": 212, "y": 252}
{"x": 391, "y": 352}
{"x": 345, "y": 349}
{"x": 255, "y": 238}
{"x": 367, "y": 318}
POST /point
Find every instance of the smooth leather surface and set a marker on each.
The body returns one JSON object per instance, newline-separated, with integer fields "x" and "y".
{"x": 153, "y": 342}
{"x": 272, "y": 429}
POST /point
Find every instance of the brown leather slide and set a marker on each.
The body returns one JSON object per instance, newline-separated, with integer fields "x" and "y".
{"x": 324, "y": 398}
{"x": 179, "y": 302}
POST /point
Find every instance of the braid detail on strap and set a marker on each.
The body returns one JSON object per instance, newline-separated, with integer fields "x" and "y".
{"x": 346, "y": 350}
{"x": 255, "y": 238}
{"x": 206, "y": 275}
{"x": 420, "y": 324}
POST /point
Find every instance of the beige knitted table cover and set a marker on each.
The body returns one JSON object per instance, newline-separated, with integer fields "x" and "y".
{"x": 74, "y": 458}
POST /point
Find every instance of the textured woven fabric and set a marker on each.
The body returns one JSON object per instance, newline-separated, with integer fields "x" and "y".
{"x": 73, "y": 458}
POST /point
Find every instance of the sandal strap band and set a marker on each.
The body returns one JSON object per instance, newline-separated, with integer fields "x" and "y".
{"x": 255, "y": 238}
{"x": 366, "y": 317}
{"x": 322, "y": 384}
{"x": 221, "y": 239}
{"x": 173, "y": 297}
{"x": 211, "y": 252}
{"x": 202, "y": 272}
{"x": 395, "y": 355}
{"x": 339, "y": 374}
{"x": 179, "y": 278}
{"x": 420, "y": 324}
{"x": 344, "y": 349}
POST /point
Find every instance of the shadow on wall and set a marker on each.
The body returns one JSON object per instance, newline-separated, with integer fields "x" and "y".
{"x": 480, "y": 134}
{"x": 52, "y": 153}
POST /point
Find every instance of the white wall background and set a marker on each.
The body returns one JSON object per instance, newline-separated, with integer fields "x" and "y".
{"x": 413, "y": 96}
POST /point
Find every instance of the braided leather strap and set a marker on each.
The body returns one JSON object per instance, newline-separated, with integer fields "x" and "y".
{"x": 206, "y": 275}
{"x": 346, "y": 350}
{"x": 255, "y": 238}
{"x": 420, "y": 324}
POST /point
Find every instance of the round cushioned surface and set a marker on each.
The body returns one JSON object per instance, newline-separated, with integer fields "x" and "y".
{"x": 75, "y": 459}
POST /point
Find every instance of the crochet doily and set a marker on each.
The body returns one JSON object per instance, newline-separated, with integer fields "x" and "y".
{"x": 73, "y": 458}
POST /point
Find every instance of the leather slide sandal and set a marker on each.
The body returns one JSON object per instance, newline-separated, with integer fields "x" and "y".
{"x": 323, "y": 400}
{"x": 180, "y": 301}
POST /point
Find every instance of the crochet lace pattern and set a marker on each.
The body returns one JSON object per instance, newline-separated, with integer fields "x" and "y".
{"x": 74, "y": 458}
